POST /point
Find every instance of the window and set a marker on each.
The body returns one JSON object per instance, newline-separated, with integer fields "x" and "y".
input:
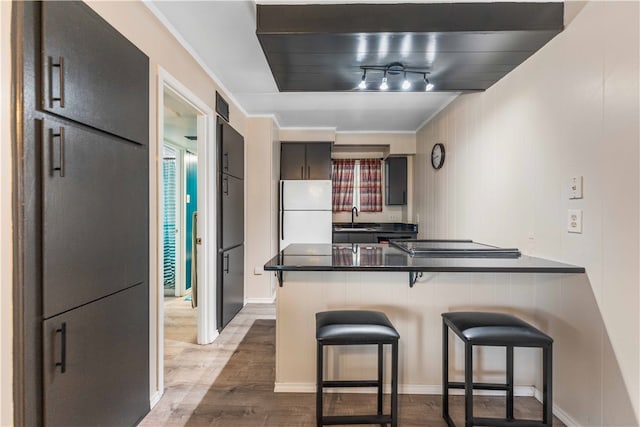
{"x": 357, "y": 183}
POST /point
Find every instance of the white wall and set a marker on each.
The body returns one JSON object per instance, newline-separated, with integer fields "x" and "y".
{"x": 571, "y": 109}
{"x": 260, "y": 207}
{"x": 6, "y": 248}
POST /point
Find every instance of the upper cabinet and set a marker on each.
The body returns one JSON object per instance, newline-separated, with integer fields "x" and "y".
{"x": 231, "y": 150}
{"x": 395, "y": 174}
{"x": 92, "y": 74}
{"x": 310, "y": 160}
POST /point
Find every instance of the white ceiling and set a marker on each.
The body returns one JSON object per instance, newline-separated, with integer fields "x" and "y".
{"x": 221, "y": 35}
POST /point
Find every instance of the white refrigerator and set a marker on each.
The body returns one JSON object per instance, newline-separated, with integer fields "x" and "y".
{"x": 305, "y": 212}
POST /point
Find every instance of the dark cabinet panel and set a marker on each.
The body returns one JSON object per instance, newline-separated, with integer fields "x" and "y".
{"x": 318, "y": 161}
{"x": 95, "y": 215}
{"x": 232, "y": 279}
{"x": 396, "y": 181}
{"x": 232, "y": 150}
{"x": 96, "y": 362}
{"x": 300, "y": 160}
{"x": 292, "y": 161}
{"x": 232, "y": 221}
{"x": 91, "y": 73}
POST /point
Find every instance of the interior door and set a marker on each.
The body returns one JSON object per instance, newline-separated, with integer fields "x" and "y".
{"x": 95, "y": 215}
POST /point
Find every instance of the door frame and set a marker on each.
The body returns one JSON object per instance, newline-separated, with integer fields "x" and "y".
{"x": 206, "y": 290}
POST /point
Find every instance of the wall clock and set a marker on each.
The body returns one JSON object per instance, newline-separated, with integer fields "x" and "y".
{"x": 437, "y": 156}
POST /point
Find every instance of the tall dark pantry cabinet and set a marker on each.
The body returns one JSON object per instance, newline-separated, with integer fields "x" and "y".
{"x": 230, "y": 289}
{"x": 82, "y": 219}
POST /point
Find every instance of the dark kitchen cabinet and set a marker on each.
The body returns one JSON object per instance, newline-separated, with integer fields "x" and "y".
{"x": 395, "y": 173}
{"x": 232, "y": 150}
{"x": 232, "y": 215}
{"x": 232, "y": 283}
{"x": 230, "y": 280}
{"x": 91, "y": 73}
{"x": 305, "y": 160}
{"x": 94, "y": 215}
{"x": 94, "y": 355}
{"x": 83, "y": 218}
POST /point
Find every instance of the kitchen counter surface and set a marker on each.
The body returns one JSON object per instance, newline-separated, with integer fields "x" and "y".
{"x": 383, "y": 257}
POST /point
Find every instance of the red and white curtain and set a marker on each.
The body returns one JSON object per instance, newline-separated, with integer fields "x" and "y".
{"x": 370, "y": 185}
{"x": 342, "y": 180}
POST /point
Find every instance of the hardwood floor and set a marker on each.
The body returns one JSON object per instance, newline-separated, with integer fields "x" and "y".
{"x": 230, "y": 382}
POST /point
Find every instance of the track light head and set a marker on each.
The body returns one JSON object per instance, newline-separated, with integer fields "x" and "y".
{"x": 384, "y": 85}
{"x": 363, "y": 82}
{"x": 405, "y": 83}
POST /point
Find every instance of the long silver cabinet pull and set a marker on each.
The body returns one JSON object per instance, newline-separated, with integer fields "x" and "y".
{"x": 60, "y": 97}
{"x": 226, "y": 263}
{"x": 225, "y": 185}
{"x": 59, "y": 166}
{"x": 63, "y": 347}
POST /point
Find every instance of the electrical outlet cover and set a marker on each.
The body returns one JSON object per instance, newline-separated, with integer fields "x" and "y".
{"x": 574, "y": 220}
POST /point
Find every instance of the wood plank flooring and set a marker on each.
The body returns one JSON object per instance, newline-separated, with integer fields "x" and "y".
{"x": 230, "y": 382}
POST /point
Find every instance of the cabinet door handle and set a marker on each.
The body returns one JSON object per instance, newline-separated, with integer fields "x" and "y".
{"x": 404, "y": 197}
{"x": 59, "y": 65}
{"x": 60, "y": 164}
{"x": 225, "y": 165}
{"x": 226, "y": 263}
{"x": 308, "y": 172}
{"x": 63, "y": 347}
{"x": 225, "y": 185}
{"x": 301, "y": 172}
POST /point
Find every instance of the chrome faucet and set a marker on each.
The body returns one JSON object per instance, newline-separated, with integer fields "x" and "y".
{"x": 353, "y": 210}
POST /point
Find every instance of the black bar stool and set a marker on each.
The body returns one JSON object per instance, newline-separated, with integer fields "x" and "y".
{"x": 357, "y": 327}
{"x": 494, "y": 329}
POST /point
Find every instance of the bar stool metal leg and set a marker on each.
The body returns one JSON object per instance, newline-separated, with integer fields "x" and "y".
{"x": 468, "y": 385}
{"x": 509, "y": 382}
{"x": 319, "y": 380}
{"x": 394, "y": 384}
{"x": 445, "y": 372}
{"x": 547, "y": 380}
{"x": 380, "y": 374}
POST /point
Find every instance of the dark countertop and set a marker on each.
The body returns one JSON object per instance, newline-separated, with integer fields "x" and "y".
{"x": 382, "y": 257}
{"x": 374, "y": 227}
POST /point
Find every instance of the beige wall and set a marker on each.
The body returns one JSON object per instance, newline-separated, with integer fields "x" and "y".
{"x": 260, "y": 208}
{"x": 6, "y": 323}
{"x": 571, "y": 109}
{"x": 136, "y": 22}
{"x": 398, "y": 142}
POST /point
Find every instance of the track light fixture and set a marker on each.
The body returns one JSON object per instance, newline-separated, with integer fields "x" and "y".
{"x": 393, "y": 69}
{"x": 384, "y": 85}
{"x": 428, "y": 86}
{"x": 363, "y": 82}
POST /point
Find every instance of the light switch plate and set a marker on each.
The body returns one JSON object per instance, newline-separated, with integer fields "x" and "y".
{"x": 574, "y": 220}
{"x": 575, "y": 187}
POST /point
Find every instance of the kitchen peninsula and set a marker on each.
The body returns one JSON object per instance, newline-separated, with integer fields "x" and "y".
{"x": 413, "y": 285}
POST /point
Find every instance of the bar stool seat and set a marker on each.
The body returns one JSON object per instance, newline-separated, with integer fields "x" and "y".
{"x": 357, "y": 327}
{"x": 494, "y": 329}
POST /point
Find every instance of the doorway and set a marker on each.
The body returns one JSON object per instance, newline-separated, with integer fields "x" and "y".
{"x": 185, "y": 222}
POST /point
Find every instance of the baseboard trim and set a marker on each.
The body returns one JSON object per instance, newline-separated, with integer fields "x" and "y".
{"x": 558, "y": 412}
{"x": 260, "y": 300}
{"x": 526, "y": 391}
{"x": 155, "y": 398}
